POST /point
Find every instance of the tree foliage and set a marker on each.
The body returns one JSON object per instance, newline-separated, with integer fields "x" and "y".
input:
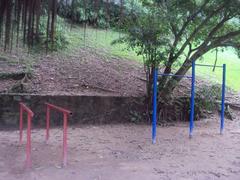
{"x": 96, "y": 13}
{"x": 181, "y": 31}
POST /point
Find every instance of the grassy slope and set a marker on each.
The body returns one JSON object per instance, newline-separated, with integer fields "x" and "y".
{"x": 233, "y": 67}
{"x": 101, "y": 39}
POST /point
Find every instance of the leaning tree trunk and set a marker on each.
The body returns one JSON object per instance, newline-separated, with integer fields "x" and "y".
{"x": 166, "y": 91}
{"x": 169, "y": 108}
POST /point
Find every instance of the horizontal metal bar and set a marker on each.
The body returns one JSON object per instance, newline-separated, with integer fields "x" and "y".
{"x": 174, "y": 75}
{"x": 28, "y": 110}
{"x": 208, "y": 65}
{"x": 58, "y": 108}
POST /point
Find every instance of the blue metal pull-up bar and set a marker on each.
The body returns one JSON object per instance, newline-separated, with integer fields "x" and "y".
{"x": 208, "y": 65}
{"x": 192, "y": 108}
{"x": 223, "y": 99}
{"x": 154, "y": 115}
{"x": 175, "y": 75}
{"x": 223, "y": 93}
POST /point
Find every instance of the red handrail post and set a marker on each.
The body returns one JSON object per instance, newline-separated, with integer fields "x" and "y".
{"x": 47, "y": 123}
{"x": 65, "y": 122}
{"x": 64, "y": 139}
{"x": 28, "y": 151}
{"x": 20, "y": 125}
{"x": 30, "y": 114}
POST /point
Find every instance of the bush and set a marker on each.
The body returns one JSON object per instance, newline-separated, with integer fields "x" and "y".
{"x": 208, "y": 96}
{"x": 99, "y": 16}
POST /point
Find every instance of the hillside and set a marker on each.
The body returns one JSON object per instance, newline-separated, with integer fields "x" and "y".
{"x": 84, "y": 73}
{"x": 102, "y": 39}
{"x": 92, "y": 66}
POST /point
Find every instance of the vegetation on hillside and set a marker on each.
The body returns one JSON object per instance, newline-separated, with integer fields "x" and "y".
{"x": 101, "y": 40}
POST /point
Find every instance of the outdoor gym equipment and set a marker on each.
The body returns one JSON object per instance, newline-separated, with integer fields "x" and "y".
{"x": 66, "y": 113}
{"x": 24, "y": 108}
{"x": 192, "y": 102}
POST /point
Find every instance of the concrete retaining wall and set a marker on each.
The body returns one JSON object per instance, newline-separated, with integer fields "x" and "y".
{"x": 85, "y": 109}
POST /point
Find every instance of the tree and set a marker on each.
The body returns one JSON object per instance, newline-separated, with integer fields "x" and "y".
{"x": 24, "y": 16}
{"x": 182, "y": 31}
{"x": 145, "y": 36}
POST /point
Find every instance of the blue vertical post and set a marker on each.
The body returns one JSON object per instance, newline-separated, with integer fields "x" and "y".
{"x": 191, "y": 124}
{"x": 154, "y": 114}
{"x": 223, "y": 99}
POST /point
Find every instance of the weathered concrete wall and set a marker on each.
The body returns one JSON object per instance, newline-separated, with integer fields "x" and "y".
{"x": 85, "y": 109}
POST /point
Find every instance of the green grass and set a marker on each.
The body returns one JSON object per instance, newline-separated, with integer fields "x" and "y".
{"x": 102, "y": 39}
{"x": 232, "y": 62}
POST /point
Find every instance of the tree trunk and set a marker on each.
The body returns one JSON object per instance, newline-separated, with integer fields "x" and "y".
{"x": 165, "y": 93}
{"x": 149, "y": 83}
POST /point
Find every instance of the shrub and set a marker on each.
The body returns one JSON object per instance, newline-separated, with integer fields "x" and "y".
{"x": 208, "y": 96}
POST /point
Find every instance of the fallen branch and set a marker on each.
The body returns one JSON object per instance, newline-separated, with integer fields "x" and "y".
{"x": 232, "y": 105}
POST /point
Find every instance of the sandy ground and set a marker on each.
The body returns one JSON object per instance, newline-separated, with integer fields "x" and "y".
{"x": 119, "y": 152}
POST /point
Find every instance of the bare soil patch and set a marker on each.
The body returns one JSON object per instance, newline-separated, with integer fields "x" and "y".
{"x": 86, "y": 72}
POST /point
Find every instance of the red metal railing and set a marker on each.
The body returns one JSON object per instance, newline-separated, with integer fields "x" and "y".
{"x": 66, "y": 113}
{"x": 24, "y": 108}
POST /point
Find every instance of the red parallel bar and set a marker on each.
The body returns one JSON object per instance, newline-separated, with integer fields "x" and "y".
{"x": 47, "y": 123}
{"x": 30, "y": 114}
{"x": 51, "y": 106}
{"x": 20, "y": 125}
{"x": 58, "y": 108}
{"x": 25, "y": 108}
{"x": 65, "y": 120}
{"x": 28, "y": 146}
{"x": 65, "y": 139}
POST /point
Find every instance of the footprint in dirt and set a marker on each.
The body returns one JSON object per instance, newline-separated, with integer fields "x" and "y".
{"x": 218, "y": 174}
{"x": 1, "y": 166}
{"x": 158, "y": 171}
{"x": 236, "y": 163}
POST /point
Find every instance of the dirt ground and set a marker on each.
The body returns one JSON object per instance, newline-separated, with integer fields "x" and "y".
{"x": 119, "y": 152}
{"x": 86, "y": 72}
